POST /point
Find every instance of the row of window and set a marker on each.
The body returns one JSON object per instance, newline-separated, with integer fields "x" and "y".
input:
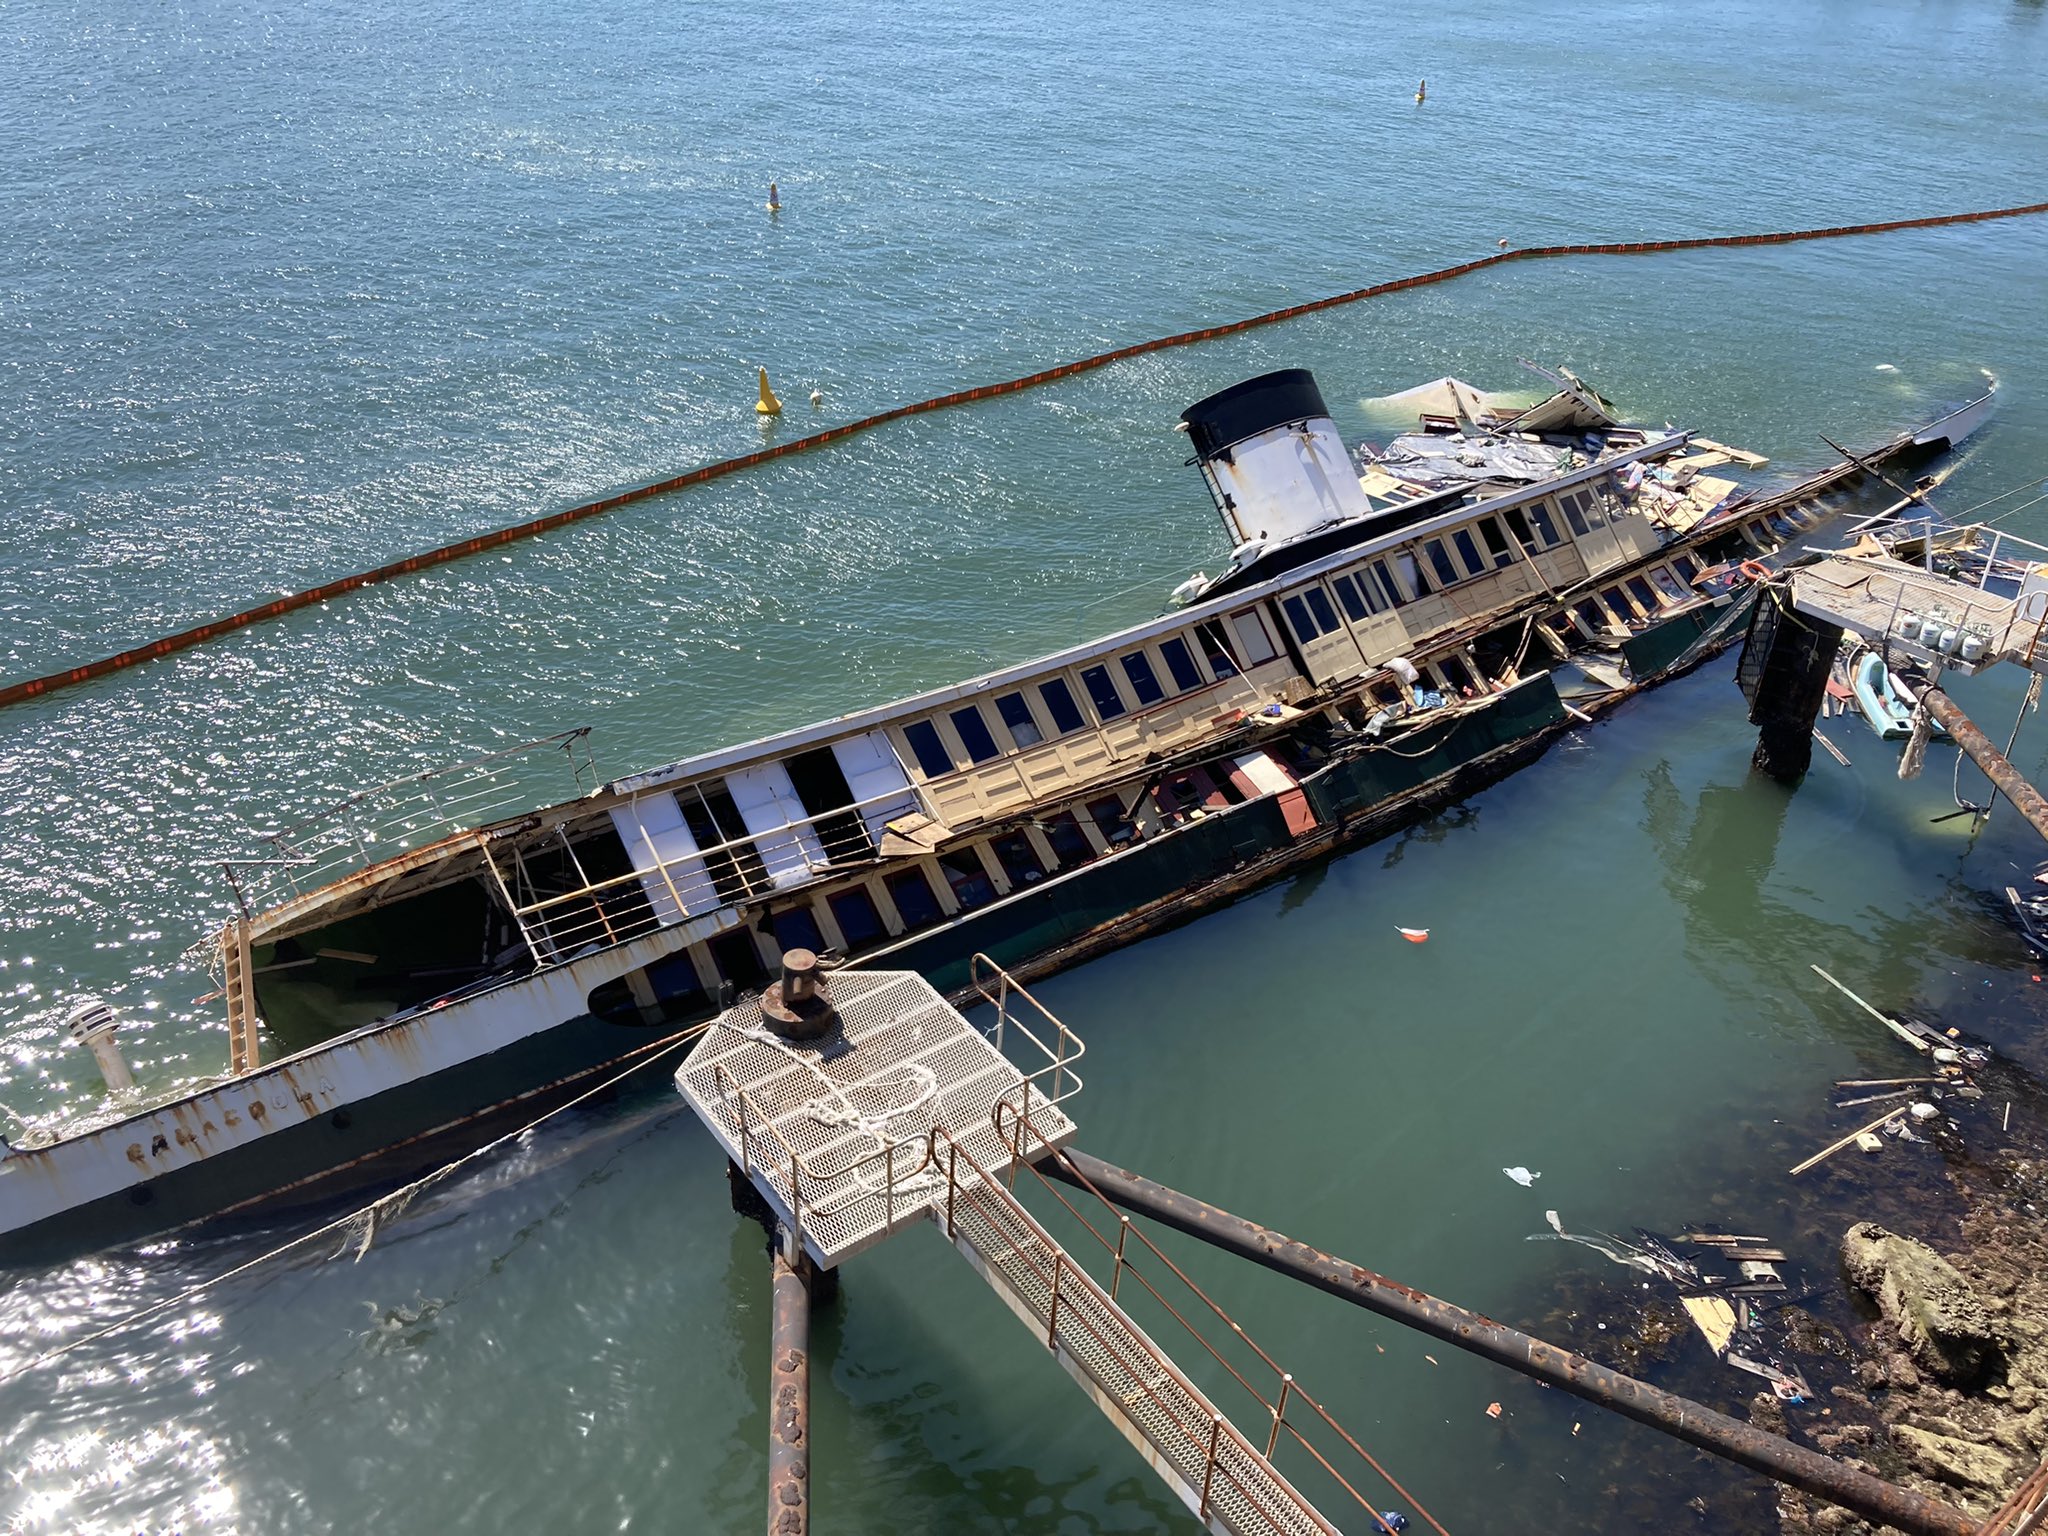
{"x": 968, "y": 872}
{"x": 1629, "y": 602}
{"x": 1401, "y": 576}
{"x": 1136, "y": 680}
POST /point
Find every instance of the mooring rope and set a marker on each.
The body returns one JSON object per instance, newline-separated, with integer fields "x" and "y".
{"x": 362, "y": 1222}
{"x": 34, "y": 687}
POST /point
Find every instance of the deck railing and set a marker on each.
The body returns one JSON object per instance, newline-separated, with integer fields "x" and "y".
{"x": 388, "y": 819}
{"x": 1230, "y": 1477}
{"x": 1292, "y": 1417}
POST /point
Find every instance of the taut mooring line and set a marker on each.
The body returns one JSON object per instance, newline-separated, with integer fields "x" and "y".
{"x": 33, "y": 687}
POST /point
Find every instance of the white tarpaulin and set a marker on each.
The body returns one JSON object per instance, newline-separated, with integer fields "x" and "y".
{"x": 1440, "y": 397}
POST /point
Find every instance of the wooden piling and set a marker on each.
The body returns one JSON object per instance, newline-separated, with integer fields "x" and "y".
{"x": 1791, "y": 683}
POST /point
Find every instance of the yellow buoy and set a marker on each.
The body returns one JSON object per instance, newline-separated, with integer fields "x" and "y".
{"x": 767, "y": 405}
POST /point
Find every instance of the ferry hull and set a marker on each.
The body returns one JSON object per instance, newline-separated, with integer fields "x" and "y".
{"x": 383, "y": 1140}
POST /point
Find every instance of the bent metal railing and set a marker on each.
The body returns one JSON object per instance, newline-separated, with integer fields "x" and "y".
{"x": 390, "y": 818}
{"x": 1290, "y": 1413}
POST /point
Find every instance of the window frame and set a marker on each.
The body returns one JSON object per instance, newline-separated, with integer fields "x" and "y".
{"x": 1029, "y": 722}
{"x": 1467, "y": 549}
{"x": 1109, "y": 693}
{"x": 929, "y": 727}
{"x": 1064, "y": 704}
{"x": 1139, "y": 673}
{"x": 1174, "y": 645}
{"x": 972, "y": 715}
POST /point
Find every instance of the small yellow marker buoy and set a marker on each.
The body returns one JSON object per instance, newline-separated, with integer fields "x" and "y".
{"x": 1421, "y": 92}
{"x": 774, "y": 199}
{"x": 767, "y": 405}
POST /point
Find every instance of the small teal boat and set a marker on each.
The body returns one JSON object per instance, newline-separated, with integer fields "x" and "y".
{"x": 1883, "y": 699}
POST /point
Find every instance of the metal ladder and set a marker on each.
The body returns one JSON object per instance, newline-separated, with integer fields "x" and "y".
{"x": 1220, "y": 1475}
{"x": 237, "y": 981}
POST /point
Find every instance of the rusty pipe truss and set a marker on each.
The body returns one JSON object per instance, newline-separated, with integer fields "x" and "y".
{"x": 789, "y": 1400}
{"x": 2005, "y": 778}
{"x": 1777, "y": 1458}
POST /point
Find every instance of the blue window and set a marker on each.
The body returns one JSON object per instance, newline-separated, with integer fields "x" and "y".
{"x": 1181, "y": 663}
{"x": 854, "y": 910}
{"x": 1319, "y": 605}
{"x": 1539, "y": 514}
{"x": 1496, "y": 541}
{"x": 1439, "y": 558}
{"x": 915, "y": 903}
{"x": 1019, "y": 859}
{"x": 675, "y": 979}
{"x": 1395, "y": 597}
{"x": 1144, "y": 685}
{"x": 1102, "y": 689}
{"x": 932, "y": 755}
{"x": 975, "y": 735}
{"x": 797, "y": 928}
{"x": 1059, "y": 703}
{"x": 1070, "y": 844}
{"x": 1468, "y": 551}
{"x": 1016, "y": 713}
{"x": 1353, "y": 599}
{"x": 1297, "y": 614}
{"x": 969, "y": 878}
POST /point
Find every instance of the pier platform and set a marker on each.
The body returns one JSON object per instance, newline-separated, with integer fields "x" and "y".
{"x": 875, "y": 1105}
{"x": 1956, "y": 599}
{"x": 837, "y": 1133}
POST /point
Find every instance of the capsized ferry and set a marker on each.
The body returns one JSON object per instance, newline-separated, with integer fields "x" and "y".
{"x": 1393, "y": 630}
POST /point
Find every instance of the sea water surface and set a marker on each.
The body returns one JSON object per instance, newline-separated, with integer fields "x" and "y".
{"x": 291, "y": 291}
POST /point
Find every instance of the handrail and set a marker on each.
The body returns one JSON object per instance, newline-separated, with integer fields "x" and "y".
{"x": 1060, "y": 1063}
{"x": 1017, "y": 1138}
{"x": 408, "y": 810}
{"x": 1003, "y": 1212}
{"x": 748, "y": 841}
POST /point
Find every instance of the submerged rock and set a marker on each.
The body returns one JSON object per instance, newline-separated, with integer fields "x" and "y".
{"x": 1955, "y": 1461}
{"x": 1941, "y": 1320}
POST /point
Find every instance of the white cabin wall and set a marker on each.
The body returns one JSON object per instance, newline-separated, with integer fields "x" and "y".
{"x": 659, "y": 843}
{"x": 768, "y": 804}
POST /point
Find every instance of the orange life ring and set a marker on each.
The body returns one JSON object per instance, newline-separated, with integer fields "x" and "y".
{"x": 1755, "y": 570}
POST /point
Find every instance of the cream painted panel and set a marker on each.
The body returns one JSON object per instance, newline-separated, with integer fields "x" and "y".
{"x": 1561, "y": 566}
{"x": 1383, "y": 636}
{"x": 1427, "y": 615}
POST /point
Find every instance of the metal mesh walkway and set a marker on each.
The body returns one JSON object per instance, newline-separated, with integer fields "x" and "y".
{"x": 836, "y": 1133}
{"x": 1216, "y": 1472}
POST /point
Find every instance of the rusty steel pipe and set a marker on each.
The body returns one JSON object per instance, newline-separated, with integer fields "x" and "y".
{"x": 2007, "y": 779}
{"x": 789, "y": 1402}
{"x": 1775, "y": 1457}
